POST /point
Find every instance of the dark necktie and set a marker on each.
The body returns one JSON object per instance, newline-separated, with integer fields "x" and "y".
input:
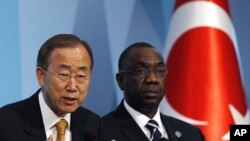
{"x": 152, "y": 126}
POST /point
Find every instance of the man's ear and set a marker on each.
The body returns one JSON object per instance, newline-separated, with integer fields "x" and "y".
{"x": 119, "y": 80}
{"x": 40, "y": 76}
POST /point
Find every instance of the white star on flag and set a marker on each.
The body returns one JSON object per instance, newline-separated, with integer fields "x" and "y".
{"x": 238, "y": 119}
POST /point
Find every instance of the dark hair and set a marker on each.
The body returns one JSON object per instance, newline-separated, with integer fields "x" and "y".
{"x": 60, "y": 41}
{"x": 125, "y": 54}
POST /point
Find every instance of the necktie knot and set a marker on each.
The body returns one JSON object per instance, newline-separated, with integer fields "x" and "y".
{"x": 152, "y": 126}
{"x": 61, "y": 127}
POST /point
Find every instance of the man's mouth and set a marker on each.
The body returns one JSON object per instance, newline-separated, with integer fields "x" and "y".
{"x": 69, "y": 100}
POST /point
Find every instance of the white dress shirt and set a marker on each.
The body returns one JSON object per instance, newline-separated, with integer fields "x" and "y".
{"x": 50, "y": 119}
{"x": 142, "y": 120}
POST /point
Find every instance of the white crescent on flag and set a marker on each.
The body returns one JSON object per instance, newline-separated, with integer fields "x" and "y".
{"x": 204, "y": 12}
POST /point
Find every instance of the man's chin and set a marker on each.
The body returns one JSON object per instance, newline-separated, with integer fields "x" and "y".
{"x": 151, "y": 101}
{"x": 151, "y": 104}
{"x": 69, "y": 109}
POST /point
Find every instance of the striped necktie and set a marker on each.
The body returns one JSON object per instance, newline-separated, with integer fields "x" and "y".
{"x": 155, "y": 134}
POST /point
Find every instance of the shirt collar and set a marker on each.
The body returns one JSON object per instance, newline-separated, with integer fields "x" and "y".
{"x": 140, "y": 118}
{"x": 49, "y": 117}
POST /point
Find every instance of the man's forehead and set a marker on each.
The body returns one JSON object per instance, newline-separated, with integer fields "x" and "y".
{"x": 149, "y": 59}
{"x": 144, "y": 54}
{"x": 150, "y": 56}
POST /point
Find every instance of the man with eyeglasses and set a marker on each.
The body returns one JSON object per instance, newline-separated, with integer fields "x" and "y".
{"x": 54, "y": 112}
{"x": 141, "y": 77}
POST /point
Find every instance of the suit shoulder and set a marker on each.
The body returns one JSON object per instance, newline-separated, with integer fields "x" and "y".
{"x": 84, "y": 112}
{"x": 110, "y": 116}
{"x": 17, "y": 107}
{"x": 119, "y": 113}
{"x": 188, "y": 130}
{"x": 177, "y": 122}
{"x": 22, "y": 105}
{"x": 86, "y": 120}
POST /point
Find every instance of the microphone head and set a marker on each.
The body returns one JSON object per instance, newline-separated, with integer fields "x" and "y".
{"x": 90, "y": 137}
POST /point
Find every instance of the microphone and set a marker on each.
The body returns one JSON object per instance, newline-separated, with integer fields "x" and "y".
{"x": 90, "y": 137}
{"x": 163, "y": 139}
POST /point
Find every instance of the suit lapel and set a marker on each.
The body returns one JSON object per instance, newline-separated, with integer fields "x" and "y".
{"x": 35, "y": 134}
{"x": 77, "y": 127}
{"x": 170, "y": 130}
{"x": 129, "y": 127}
{"x": 76, "y": 135}
{"x": 31, "y": 114}
{"x": 132, "y": 131}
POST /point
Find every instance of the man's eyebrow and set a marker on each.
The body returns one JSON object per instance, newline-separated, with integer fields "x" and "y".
{"x": 82, "y": 68}
{"x": 141, "y": 63}
{"x": 65, "y": 66}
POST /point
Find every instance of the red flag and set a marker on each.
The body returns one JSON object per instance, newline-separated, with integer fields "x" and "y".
{"x": 204, "y": 84}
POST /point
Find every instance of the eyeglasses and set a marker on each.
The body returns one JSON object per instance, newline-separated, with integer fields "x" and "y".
{"x": 65, "y": 77}
{"x": 143, "y": 72}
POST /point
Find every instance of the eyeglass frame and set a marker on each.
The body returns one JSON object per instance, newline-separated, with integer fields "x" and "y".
{"x": 67, "y": 77}
{"x": 145, "y": 72}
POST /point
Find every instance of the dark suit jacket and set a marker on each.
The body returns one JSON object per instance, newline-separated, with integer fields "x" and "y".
{"x": 119, "y": 125}
{"x": 22, "y": 121}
